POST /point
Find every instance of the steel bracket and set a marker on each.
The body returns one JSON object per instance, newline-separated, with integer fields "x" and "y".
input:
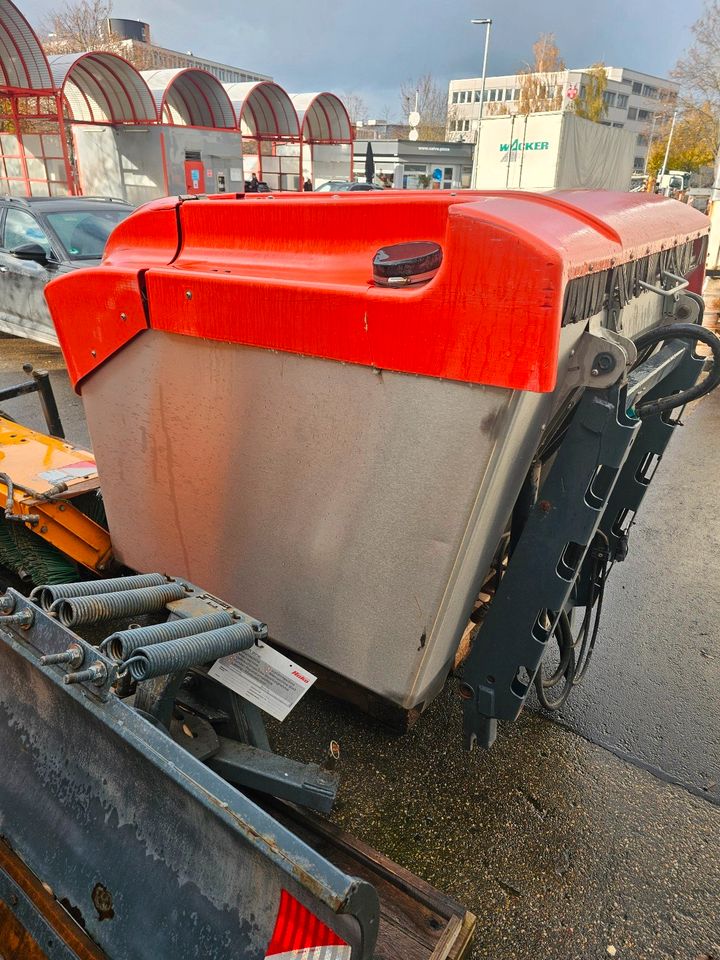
{"x": 600, "y": 359}
{"x": 642, "y": 461}
{"x": 47, "y": 637}
{"x": 597, "y": 481}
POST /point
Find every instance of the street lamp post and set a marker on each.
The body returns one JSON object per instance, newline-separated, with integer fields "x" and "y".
{"x": 486, "y": 23}
{"x": 667, "y": 148}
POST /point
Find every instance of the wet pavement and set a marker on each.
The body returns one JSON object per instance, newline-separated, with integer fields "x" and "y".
{"x": 559, "y": 848}
{"x": 654, "y": 687}
{"x": 567, "y": 840}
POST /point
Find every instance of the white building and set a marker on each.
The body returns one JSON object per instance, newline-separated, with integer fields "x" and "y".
{"x": 133, "y": 41}
{"x": 635, "y": 101}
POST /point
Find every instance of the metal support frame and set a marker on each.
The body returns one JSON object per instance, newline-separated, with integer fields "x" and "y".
{"x": 239, "y": 750}
{"x": 38, "y": 921}
{"x": 22, "y": 121}
{"x": 646, "y": 452}
{"x": 134, "y": 804}
{"x": 597, "y": 479}
{"x": 281, "y": 777}
{"x": 40, "y": 384}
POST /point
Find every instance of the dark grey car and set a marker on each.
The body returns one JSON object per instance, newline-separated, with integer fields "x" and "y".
{"x": 40, "y": 239}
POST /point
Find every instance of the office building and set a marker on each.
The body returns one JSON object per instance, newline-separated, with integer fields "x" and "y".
{"x": 634, "y": 101}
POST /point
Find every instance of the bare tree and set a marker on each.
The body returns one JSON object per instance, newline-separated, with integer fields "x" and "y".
{"x": 699, "y": 73}
{"x": 83, "y": 25}
{"x": 79, "y": 25}
{"x": 431, "y": 105}
{"x": 356, "y": 107}
{"x": 539, "y": 81}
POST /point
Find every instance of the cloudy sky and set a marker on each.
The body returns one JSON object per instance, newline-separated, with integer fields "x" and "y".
{"x": 371, "y": 48}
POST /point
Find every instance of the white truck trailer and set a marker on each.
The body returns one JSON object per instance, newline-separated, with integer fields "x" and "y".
{"x": 552, "y": 151}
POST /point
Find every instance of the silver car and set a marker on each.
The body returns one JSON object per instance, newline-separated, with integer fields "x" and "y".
{"x": 336, "y": 186}
{"x": 40, "y": 239}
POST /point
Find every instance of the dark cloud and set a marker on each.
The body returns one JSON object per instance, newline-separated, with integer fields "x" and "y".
{"x": 371, "y": 49}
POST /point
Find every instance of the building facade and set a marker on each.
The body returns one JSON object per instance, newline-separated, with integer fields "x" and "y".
{"x": 132, "y": 39}
{"x": 381, "y": 130}
{"x": 148, "y": 56}
{"x": 634, "y": 101}
{"x": 417, "y": 164}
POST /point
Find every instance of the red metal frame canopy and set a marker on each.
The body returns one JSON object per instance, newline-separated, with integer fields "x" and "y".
{"x": 103, "y": 88}
{"x": 266, "y": 117}
{"x": 190, "y": 98}
{"x": 324, "y": 122}
{"x": 34, "y": 158}
{"x": 201, "y": 145}
{"x": 107, "y": 105}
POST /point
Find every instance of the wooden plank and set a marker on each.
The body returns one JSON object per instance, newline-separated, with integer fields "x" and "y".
{"x": 15, "y": 942}
{"x": 463, "y": 942}
{"x": 448, "y": 939}
{"x": 45, "y": 903}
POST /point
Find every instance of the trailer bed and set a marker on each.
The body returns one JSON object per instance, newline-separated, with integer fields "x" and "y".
{"x": 417, "y": 921}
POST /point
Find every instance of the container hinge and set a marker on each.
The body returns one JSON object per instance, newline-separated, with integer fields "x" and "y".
{"x": 600, "y": 359}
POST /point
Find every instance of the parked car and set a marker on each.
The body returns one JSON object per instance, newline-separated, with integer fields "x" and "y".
{"x": 42, "y": 238}
{"x": 334, "y": 186}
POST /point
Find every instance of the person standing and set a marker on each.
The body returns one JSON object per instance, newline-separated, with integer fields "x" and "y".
{"x": 307, "y": 186}
{"x": 253, "y": 187}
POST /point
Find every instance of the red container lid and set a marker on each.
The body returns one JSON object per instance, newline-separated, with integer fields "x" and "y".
{"x": 295, "y": 273}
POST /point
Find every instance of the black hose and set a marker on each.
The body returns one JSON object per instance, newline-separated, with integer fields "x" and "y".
{"x": 679, "y": 331}
{"x": 545, "y": 686}
{"x": 587, "y": 636}
{"x": 576, "y": 652}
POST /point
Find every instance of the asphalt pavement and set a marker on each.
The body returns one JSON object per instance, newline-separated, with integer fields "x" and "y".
{"x": 594, "y": 834}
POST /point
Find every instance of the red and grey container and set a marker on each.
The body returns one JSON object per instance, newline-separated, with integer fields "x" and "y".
{"x": 335, "y": 448}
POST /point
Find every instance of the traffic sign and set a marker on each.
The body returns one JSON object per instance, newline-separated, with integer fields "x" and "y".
{"x": 414, "y": 118}
{"x": 413, "y": 135}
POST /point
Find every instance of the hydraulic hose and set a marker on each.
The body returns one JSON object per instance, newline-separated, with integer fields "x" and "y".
{"x": 679, "y": 331}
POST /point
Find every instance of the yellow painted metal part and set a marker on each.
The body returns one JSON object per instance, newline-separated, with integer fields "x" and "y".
{"x": 35, "y": 464}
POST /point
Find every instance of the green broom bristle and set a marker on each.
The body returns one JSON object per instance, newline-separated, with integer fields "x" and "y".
{"x": 40, "y": 561}
{"x": 29, "y": 557}
{"x": 10, "y": 556}
{"x": 92, "y": 505}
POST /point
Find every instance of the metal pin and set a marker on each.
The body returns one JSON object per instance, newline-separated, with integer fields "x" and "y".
{"x": 332, "y": 756}
{"x": 97, "y": 674}
{"x": 24, "y": 618}
{"x": 7, "y": 604}
{"x": 74, "y": 655}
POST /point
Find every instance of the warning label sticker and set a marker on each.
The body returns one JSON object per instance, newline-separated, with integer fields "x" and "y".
{"x": 264, "y": 677}
{"x": 71, "y": 471}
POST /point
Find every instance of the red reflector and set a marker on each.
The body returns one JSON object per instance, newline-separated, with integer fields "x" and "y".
{"x": 300, "y": 935}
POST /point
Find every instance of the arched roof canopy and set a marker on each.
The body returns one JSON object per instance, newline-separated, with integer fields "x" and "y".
{"x": 323, "y": 118}
{"x": 103, "y": 88}
{"x": 190, "y": 98}
{"x": 23, "y": 65}
{"x": 264, "y": 111}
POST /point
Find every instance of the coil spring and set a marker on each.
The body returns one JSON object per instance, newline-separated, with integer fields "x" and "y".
{"x": 74, "y": 611}
{"x": 174, "y": 655}
{"x": 47, "y": 594}
{"x": 120, "y": 645}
